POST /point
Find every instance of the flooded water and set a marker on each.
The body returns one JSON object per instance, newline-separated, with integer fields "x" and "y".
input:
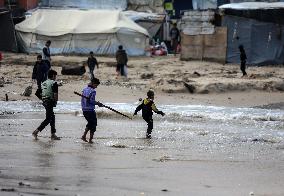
{"x": 194, "y": 150}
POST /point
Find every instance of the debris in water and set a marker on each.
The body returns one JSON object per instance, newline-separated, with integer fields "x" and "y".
{"x": 8, "y": 190}
{"x": 119, "y": 146}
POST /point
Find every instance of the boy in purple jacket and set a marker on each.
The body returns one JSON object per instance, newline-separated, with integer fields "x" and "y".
{"x": 88, "y": 108}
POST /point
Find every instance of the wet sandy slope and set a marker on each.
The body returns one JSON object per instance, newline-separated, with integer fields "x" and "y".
{"x": 180, "y": 159}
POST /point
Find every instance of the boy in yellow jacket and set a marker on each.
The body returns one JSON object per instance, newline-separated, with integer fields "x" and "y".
{"x": 148, "y": 106}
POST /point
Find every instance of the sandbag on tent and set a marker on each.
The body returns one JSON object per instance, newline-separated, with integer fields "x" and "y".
{"x": 81, "y": 31}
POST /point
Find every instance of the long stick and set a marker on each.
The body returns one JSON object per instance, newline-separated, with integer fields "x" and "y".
{"x": 104, "y": 106}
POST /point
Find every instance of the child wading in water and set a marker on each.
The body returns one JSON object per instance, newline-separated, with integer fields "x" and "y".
{"x": 148, "y": 106}
{"x": 49, "y": 101}
{"x": 88, "y": 108}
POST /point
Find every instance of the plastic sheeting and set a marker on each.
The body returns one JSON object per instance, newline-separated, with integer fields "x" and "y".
{"x": 204, "y": 4}
{"x": 263, "y": 42}
{"x": 72, "y": 32}
{"x": 7, "y": 32}
{"x": 86, "y": 4}
{"x": 253, "y": 6}
{"x": 150, "y": 21}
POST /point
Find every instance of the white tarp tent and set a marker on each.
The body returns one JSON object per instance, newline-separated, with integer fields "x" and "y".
{"x": 81, "y": 31}
{"x": 252, "y": 5}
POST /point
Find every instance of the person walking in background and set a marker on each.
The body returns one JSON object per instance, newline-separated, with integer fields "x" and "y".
{"x": 39, "y": 74}
{"x": 88, "y": 108}
{"x": 46, "y": 53}
{"x": 175, "y": 37}
{"x": 148, "y": 106}
{"x": 49, "y": 100}
{"x": 92, "y": 62}
{"x": 243, "y": 58}
{"x": 121, "y": 60}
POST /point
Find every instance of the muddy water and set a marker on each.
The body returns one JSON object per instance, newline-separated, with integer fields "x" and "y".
{"x": 227, "y": 151}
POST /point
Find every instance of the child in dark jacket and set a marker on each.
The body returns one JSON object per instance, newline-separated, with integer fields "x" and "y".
{"x": 92, "y": 63}
{"x": 148, "y": 106}
{"x": 39, "y": 74}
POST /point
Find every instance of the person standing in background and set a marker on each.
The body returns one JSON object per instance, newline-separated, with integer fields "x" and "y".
{"x": 243, "y": 58}
{"x": 46, "y": 53}
{"x": 175, "y": 37}
{"x": 92, "y": 63}
{"x": 121, "y": 60}
{"x": 39, "y": 74}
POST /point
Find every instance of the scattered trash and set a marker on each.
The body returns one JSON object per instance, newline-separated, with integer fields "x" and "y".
{"x": 147, "y": 76}
{"x": 119, "y": 146}
{"x": 8, "y": 190}
{"x": 189, "y": 87}
{"x": 28, "y": 91}
{"x": 197, "y": 74}
{"x": 23, "y": 184}
{"x": 2, "y": 81}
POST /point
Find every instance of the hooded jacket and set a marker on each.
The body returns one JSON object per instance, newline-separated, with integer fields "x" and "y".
{"x": 121, "y": 57}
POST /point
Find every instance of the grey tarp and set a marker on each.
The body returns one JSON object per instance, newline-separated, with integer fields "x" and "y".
{"x": 7, "y": 32}
{"x": 263, "y": 42}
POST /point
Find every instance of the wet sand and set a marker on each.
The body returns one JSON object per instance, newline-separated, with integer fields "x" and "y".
{"x": 122, "y": 162}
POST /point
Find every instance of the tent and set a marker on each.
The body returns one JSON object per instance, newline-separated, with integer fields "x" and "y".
{"x": 86, "y": 4}
{"x": 7, "y": 32}
{"x": 258, "y": 27}
{"x": 81, "y": 31}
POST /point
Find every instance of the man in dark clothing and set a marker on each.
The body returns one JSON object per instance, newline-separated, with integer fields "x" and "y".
{"x": 39, "y": 74}
{"x": 175, "y": 37}
{"x": 49, "y": 100}
{"x": 121, "y": 59}
{"x": 148, "y": 106}
{"x": 92, "y": 62}
{"x": 243, "y": 58}
{"x": 46, "y": 53}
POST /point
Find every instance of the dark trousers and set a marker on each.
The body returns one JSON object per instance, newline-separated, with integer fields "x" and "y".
{"x": 38, "y": 91}
{"x": 47, "y": 63}
{"x": 149, "y": 121}
{"x": 120, "y": 68}
{"x": 91, "y": 118}
{"x": 50, "y": 117}
{"x": 243, "y": 68}
{"x": 92, "y": 72}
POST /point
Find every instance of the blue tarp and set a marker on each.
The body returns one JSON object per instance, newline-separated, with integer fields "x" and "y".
{"x": 263, "y": 42}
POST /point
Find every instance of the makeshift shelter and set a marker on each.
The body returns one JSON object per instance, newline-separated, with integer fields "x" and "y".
{"x": 7, "y": 32}
{"x": 85, "y": 4}
{"x": 81, "y": 31}
{"x": 150, "y": 21}
{"x": 258, "y": 27}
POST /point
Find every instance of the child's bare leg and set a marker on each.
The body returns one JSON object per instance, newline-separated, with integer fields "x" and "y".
{"x": 35, "y": 133}
{"x": 84, "y": 135}
{"x": 91, "y": 137}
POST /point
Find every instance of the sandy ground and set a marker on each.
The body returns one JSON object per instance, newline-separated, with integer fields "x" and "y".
{"x": 213, "y": 83}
